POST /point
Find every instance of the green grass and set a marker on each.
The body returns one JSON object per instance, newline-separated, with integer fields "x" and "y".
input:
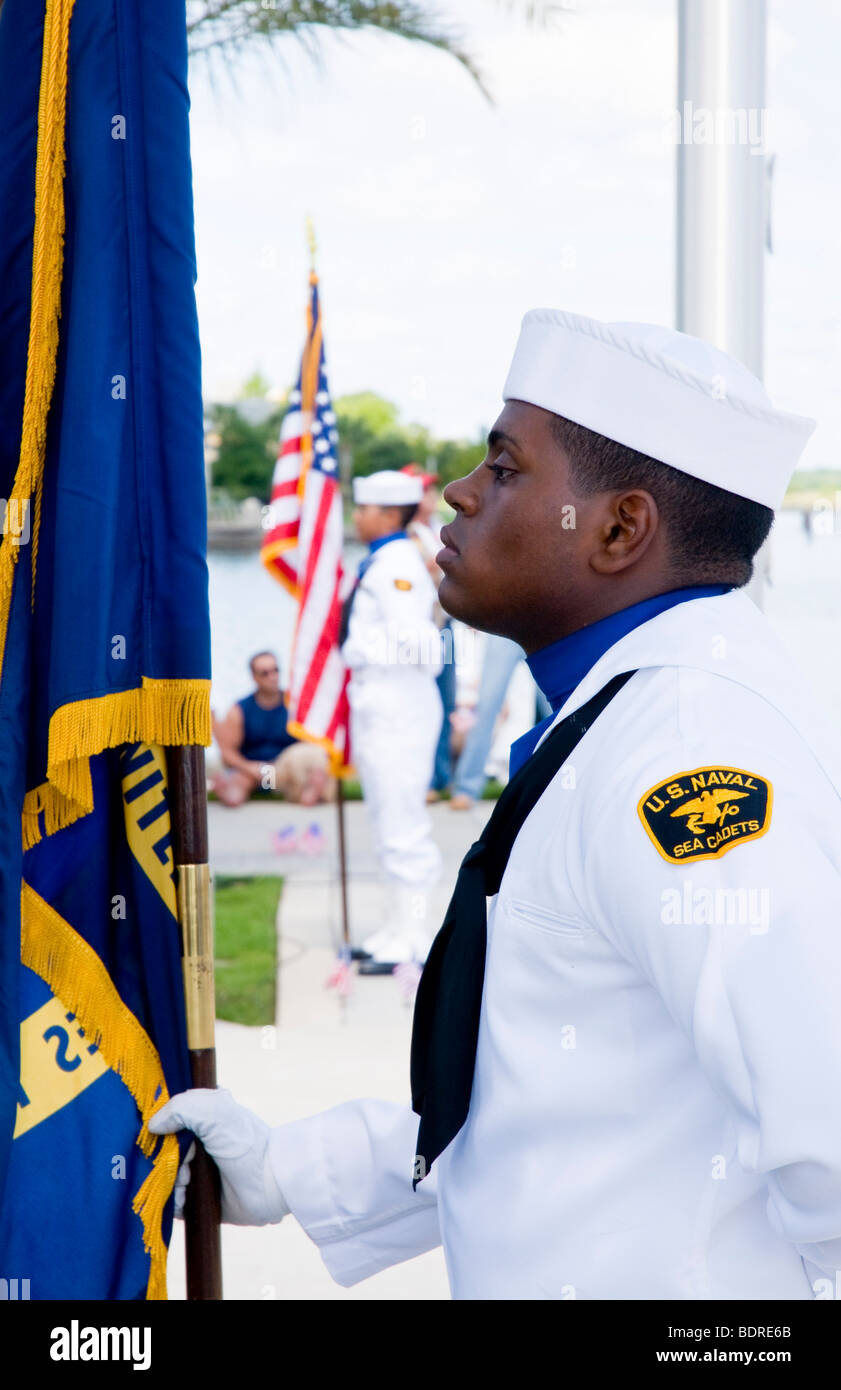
{"x": 246, "y": 948}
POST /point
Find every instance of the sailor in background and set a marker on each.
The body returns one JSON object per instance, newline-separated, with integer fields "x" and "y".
{"x": 425, "y": 531}
{"x": 629, "y": 1078}
{"x": 392, "y": 646}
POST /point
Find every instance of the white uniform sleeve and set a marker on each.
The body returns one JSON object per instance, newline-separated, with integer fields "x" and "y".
{"x": 391, "y": 620}
{"x": 760, "y": 998}
{"x": 346, "y": 1175}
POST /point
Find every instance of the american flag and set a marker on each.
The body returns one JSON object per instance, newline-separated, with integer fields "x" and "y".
{"x": 303, "y": 549}
{"x": 341, "y": 976}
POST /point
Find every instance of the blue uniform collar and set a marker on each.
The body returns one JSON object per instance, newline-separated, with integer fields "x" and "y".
{"x": 384, "y": 540}
{"x": 560, "y": 667}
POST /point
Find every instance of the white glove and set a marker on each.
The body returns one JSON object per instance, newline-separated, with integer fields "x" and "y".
{"x": 238, "y": 1142}
{"x": 182, "y": 1178}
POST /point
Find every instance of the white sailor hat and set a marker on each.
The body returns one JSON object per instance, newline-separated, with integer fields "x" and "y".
{"x": 666, "y": 394}
{"x": 387, "y": 489}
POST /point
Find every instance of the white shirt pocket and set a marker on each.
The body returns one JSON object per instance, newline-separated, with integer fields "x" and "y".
{"x": 545, "y": 919}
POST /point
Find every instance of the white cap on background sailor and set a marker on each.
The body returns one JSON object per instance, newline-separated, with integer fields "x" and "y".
{"x": 388, "y": 488}
{"x": 666, "y": 394}
{"x": 393, "y": 649}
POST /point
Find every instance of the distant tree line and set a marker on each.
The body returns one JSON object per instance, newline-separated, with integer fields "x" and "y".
{"x": 371, "y": 437}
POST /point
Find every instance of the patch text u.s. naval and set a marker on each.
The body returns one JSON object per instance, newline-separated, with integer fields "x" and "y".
{"x": 703, "y": 813}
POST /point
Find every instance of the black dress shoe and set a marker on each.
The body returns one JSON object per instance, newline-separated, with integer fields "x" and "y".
{"x": 357, "y": 953}
{"x": 376, "y": 967}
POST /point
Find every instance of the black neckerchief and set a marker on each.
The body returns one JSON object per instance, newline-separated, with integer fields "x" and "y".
{"x": 449, "y": 999}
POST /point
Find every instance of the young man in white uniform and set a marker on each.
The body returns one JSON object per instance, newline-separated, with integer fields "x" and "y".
{"x": 655, "y": 1109}
{"x": 392, "y": 645}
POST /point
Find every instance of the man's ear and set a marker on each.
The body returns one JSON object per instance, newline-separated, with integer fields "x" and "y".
{"x": 625, "y": 531}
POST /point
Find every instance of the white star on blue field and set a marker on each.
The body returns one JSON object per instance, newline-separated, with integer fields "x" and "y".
{"x": 323, "y": 430}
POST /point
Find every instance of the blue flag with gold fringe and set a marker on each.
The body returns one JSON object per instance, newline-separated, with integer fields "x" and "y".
{"x": 104, "y": 632}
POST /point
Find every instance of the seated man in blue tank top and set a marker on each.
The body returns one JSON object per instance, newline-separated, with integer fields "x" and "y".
{"x": 258, "y": 750}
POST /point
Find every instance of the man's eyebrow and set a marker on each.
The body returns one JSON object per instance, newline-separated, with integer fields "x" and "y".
{"x": 498, "y": 436}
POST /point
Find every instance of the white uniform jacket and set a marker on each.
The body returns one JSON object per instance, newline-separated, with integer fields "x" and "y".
{"x": 656, "y": 1106}
{"x": 391, "y": 627}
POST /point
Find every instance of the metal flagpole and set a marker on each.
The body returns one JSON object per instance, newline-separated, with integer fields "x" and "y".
{"x": 188, "y": 817}
{"x": 340, "y": 809}
{"x": 722, "y": 183}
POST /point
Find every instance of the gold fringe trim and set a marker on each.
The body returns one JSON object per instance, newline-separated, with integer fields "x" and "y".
{"x": 77, "y": 976}
{"x": 161, "y": 711}
{"x": 269, "y": 553}
{"x": 312, "y": 354}
{"x": 45, "y": 305}
{"x": 338, "y": 766}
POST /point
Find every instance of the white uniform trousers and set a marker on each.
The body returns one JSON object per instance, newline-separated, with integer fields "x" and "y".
{"x": 395, "y": 723}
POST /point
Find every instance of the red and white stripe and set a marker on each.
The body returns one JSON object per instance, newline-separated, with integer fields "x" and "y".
{"x": 318, "y": 677}
{"x": 303, "y": 549}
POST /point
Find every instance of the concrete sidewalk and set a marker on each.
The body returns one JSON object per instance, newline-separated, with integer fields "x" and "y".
{"x": 322, "y": 1050}
{"x": 241, "y": 840}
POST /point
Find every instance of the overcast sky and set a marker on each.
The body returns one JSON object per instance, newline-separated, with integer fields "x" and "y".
{"x": 440, "y": 218}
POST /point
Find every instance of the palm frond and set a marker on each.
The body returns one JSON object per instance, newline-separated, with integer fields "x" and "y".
{"x": 227, "y": 26}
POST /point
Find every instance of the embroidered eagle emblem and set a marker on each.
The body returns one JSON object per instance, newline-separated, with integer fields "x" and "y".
{"x": 703, "y": 813}
{"x": 709, "y": 808}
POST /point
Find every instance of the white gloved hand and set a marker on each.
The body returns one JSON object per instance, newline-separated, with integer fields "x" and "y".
{"x": 182, "y": 1178}
{"x": 238, "y": 1142}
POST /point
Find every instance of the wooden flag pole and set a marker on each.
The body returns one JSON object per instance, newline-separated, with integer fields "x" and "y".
{"x": 188, "y": 816}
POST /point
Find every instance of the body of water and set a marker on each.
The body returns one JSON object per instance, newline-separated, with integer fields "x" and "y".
{"x": 249, "y": 612}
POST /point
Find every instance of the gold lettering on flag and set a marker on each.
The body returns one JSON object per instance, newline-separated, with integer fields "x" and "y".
{"x": 56, "y": 1064}
{"x": 147, "y": 818}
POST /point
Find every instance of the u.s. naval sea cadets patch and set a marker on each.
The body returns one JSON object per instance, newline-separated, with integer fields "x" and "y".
{"x": 703, "y": 813}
